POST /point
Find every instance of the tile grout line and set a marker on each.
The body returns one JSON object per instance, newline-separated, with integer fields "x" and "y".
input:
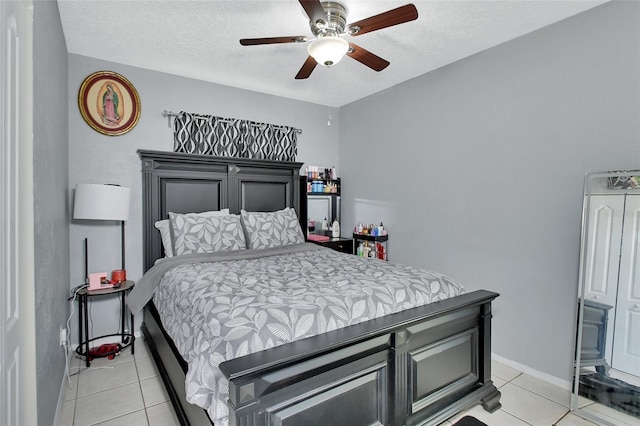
{"x": 144, "y": 403}
{"x": 93, "y": 369}
{"x": 543, "y": 396}
{"x": 106, "y": 389}
{"x": 75, "y": 407}
{"x": 548, "y": 399}
{"x": 520, "y": 373}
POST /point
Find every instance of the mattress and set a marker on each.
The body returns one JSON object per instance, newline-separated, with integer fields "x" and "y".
{"x": 219, "y": 307}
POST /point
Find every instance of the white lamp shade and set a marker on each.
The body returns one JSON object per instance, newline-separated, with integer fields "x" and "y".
{"x": 101, "y": 202}
{"x": 328, "y": 50}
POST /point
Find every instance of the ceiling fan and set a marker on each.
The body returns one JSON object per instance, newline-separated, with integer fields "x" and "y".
{"x": 328, "y": 22}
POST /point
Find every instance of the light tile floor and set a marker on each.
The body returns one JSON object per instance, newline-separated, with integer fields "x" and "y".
{"x": 124, "y": 391}
{"x": 128, "y": 391}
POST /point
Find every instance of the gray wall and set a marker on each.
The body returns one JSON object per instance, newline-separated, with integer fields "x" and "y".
{"x": 477, "y": 168}
{"x": 96, "y": 158}
{"x": 51, "y": 216}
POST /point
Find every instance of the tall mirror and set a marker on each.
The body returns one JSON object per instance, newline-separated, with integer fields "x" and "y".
{"x": 607, "y": 365}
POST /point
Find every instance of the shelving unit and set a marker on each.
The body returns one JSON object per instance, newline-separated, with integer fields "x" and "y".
{"x": 319, "y": 186}
{"x": 315, "y": 205}
{"x": 372, "y": 240}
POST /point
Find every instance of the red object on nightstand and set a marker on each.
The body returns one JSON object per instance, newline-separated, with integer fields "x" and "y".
{"x": 118, "y": 275}
{"x": 108, "y": 350}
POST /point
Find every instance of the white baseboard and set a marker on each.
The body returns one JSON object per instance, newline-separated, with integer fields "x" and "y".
{"x": 561, "y": 383}
{"x": 63, "y": 387}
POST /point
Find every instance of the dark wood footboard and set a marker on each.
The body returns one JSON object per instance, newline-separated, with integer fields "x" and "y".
{"x": 419, "y": 366}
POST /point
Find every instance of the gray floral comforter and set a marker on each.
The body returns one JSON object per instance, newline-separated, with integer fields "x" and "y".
{"x": 227, "y": 308}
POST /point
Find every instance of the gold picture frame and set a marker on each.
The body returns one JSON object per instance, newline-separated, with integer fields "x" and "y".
{"x": 109, "y": 103}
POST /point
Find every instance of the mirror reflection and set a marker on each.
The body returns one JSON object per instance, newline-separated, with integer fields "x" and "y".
{"x": 608, "y": 332}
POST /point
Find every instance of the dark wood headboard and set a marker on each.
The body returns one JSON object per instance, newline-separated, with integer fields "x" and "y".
{"x": 188, "y": 183}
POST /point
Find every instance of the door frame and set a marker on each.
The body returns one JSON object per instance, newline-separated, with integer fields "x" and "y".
{"x": 17, "y": 299}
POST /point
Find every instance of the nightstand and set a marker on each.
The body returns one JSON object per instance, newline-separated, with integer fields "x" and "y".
{"x": 126, "y": 339}
{"x": 344, "y": 245}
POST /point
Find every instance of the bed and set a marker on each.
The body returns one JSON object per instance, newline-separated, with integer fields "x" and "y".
{"x": 410, "y": 364}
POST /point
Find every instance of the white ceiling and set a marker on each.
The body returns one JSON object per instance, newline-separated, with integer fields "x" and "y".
{"x": 199, "y": 39}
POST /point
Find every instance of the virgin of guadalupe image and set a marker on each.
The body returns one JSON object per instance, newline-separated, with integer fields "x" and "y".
{"x": 110, "y": 103}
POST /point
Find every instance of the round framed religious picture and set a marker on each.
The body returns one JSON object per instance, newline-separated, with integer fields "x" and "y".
{"x": 109, "y": 103}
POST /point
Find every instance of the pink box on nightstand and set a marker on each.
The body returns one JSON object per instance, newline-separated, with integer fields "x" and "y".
{"x": 96, "y": 279}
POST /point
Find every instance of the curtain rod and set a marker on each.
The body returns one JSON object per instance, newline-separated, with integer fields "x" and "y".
{"x": 168, "y": 114}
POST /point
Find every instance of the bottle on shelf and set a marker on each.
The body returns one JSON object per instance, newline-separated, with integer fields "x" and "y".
{"x": 325, "y": 224}
{"x": 370, "y": 241}
{"x": 335, "y": 229}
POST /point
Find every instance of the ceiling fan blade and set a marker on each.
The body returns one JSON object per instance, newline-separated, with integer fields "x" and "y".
{"x": 390, "y": 18}
{"x": 272, "y": 40}
{"x": 314, "y": 9}
{"x": 307, "y": 68}
{"x": 367, "y": 58}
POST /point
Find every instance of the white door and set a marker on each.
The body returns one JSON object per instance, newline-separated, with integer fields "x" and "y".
{"x": 16, "y": 213}
{"x": 601, "y": 280}
{"x": 626, "y": 343}
{"x": 605, "y": 226}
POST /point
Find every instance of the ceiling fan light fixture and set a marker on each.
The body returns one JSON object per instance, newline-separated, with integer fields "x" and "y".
{"x": 328, "y": 51}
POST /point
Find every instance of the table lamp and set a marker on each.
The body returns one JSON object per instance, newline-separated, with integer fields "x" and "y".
{"x": 101, "y": 202}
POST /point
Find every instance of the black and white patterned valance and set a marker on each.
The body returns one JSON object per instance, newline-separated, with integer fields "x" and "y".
{"x": 232, "y": 137}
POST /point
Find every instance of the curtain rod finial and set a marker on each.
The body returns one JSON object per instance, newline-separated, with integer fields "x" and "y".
{"x": 168, "y": 114}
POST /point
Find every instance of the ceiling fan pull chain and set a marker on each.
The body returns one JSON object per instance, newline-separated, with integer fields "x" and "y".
{"x": 328, "y": 108}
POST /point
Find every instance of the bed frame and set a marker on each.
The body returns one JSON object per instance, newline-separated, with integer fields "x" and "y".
{"x": 419, "y": 366}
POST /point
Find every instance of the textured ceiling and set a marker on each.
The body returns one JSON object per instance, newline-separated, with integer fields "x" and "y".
{"x": 199, "y": 39}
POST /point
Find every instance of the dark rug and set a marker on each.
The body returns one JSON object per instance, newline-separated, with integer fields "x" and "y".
{"x": 469, "y": 421}
{"x": 611, "y": 392}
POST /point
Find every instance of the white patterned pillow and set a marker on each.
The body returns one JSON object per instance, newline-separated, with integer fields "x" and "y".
{"x": 273, "y": 229}
{"x": 202, "y": 234}
{"x": 164, "y": 226}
